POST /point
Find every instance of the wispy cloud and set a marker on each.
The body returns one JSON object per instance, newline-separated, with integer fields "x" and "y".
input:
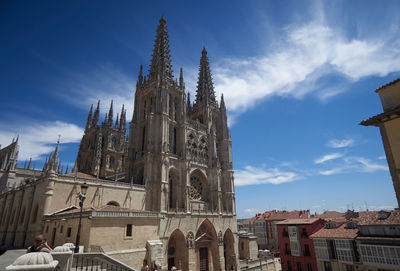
{"x": 354, "y": 164}
{"x": 38, "y": 138}
{"x": 306, "y": 54}
{"x": 328, "y": 157}
{"x": 252, "y": 175}
{"x": 340, "y": 143}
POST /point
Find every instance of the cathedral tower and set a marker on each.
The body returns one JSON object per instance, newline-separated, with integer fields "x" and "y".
{"x": 181, "y": 153}
{"x": 102, "y": 149}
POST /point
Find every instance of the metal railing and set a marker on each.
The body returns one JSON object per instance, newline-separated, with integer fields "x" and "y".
{"x": 97, "y": 261}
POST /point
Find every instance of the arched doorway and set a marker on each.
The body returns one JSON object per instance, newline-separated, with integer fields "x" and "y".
{"x": 206, "y": 247}
{"x": 229, "y": 250}
{"x": 177, "y": 252}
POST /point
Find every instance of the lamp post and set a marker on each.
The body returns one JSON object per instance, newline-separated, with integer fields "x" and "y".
{"x": 82, "y": 196}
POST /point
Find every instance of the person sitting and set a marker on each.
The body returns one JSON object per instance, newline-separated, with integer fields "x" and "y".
{"x": 145, "y": 267}
{"x": 40, "y": 245}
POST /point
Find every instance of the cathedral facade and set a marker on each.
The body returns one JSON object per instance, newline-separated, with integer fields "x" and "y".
{"x": 164, "y": 193}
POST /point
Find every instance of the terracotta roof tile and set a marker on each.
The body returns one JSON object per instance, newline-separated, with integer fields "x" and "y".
{"x": 372, "y": 218}
{"x": 298, "y": 221}
{"x": 339, "y": 232}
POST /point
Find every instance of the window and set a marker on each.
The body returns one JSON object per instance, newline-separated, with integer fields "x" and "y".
{"x": 349, "y": 267}
{"x": 327, "y": 266}
{"x": 129, "y": 230}
{"x": 309, "y": 267}
{"x": 113, "y": 142}
{"x": 61, "y": 229}
{"x": 111, "y": 163}
{"x": 171, "y": 192}
{"x": 143, "y": 137}
{"x": 298, "y": 266}
{"x": 144, "y": 110}
{"x": 307, "y": 250}
{"x": 304, "y": 232}
{"x": 242, "y": 246}
{"x": 344, "y": 250}
{"x": 69, "y": 232}
{"x": 285, "y": 233}
{"x": 174, "y": 142}
{"x": 321, "y": 249}
{"x": 47, "y": 228}
{"x": 287, "y": 250}
{"x": 379, "y": 254}
{"x": 289, "y": 266}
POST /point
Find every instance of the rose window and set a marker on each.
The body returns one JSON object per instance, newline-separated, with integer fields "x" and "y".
{"x": 195, "y": 189}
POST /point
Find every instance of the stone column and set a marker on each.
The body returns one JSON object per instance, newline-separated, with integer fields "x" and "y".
{"x": 48, "y": 194}
{"x": 192, "y": 258}
{"x": 221, "y": 256}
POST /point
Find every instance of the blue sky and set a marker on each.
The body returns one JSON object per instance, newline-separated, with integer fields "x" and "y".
{"x": 297, "y": 77}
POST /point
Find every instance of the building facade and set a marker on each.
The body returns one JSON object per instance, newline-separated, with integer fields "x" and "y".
{"x": 264, "y": 226}
{"x": 165, "y": 194}
{"x": 295, "y": 246}
{"x": 389, "y": 127}
{"x": 366, "y": 241}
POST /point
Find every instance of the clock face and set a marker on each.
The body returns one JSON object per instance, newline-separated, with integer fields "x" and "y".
{"x": 171, "y": 251}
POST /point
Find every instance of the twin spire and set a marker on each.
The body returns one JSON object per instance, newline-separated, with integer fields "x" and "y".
{"x": 160, "y": 68}
{"x": 205, "y": 89}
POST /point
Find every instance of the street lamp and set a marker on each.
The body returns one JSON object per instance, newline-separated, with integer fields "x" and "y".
{"x": 82, "y": 196}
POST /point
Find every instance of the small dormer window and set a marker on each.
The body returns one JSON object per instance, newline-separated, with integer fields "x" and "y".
{"x": 383, "y": 215}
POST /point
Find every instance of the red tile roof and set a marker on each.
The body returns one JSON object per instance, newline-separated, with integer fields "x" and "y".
{"x": 372, "y": 218}
{"x": 298, "y": 221}
{"x": 279, "y": 215}
{"x": 339, "y": 232}
{"x": 331, "y": 214}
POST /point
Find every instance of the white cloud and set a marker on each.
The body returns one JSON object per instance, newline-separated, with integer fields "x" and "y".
{"x": 340, "y": 143}
{"x": 328, "y": 157}
{"x": 306, "y": 54}
{"x": 252, "y": 175}
{"x": 38, "y": 138}
{"x": 354, "y": 164}
{"x": 365, "y": 164}
{"x": 382, "y": 157}
{"x": 251, "y": 211}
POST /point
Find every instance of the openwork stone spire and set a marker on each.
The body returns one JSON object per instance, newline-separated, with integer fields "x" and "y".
{"x": 161, "y": 63}
{"x": 205, "y": 89}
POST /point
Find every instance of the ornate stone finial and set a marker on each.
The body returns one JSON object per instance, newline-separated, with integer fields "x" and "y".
{"x": 205, "y": 88}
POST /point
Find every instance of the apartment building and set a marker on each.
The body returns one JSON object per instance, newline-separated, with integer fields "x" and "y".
{"x": 295, "y": 246}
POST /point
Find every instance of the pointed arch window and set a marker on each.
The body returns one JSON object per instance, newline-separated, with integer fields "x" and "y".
{"x": 171, "y": 191}
{"x": 144, "y": 110}
{"x": 143, "y": 137}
